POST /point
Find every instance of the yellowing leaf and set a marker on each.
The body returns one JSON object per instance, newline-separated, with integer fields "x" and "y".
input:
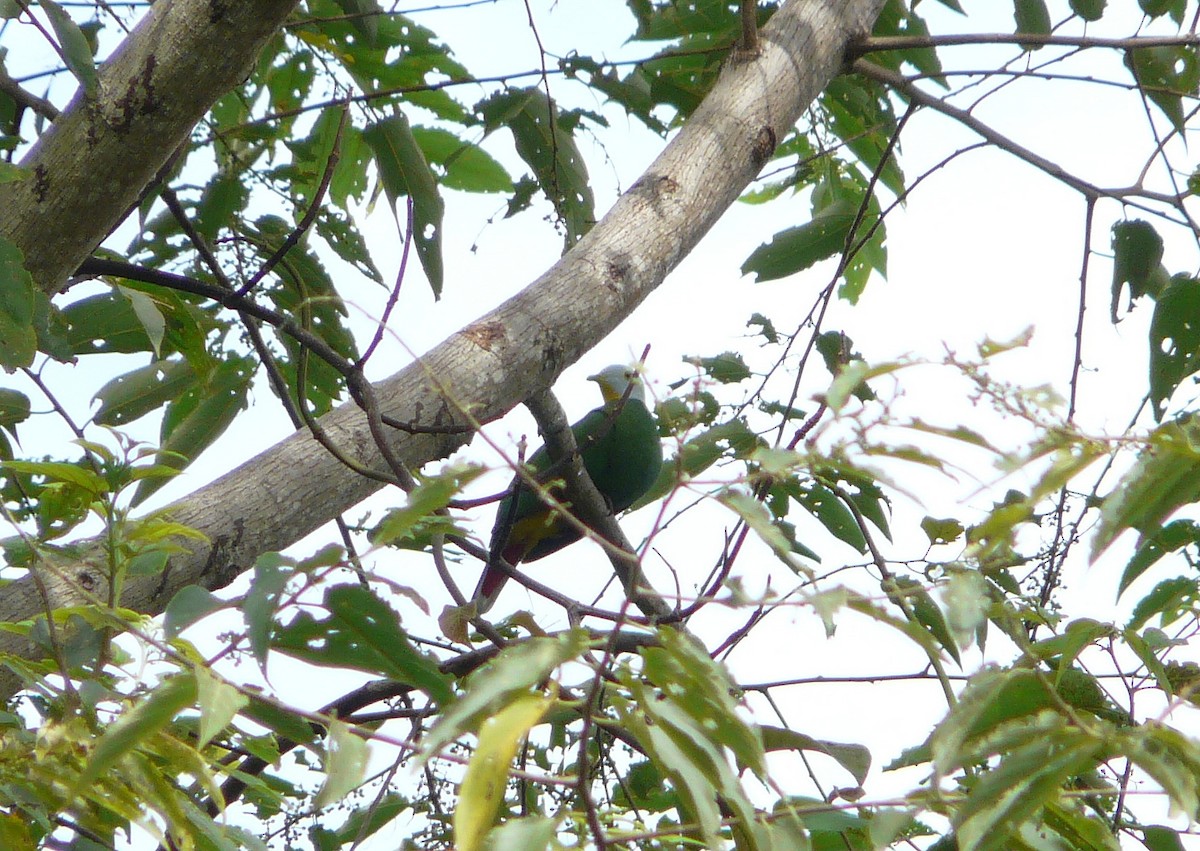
{"x": 482, "y": 789}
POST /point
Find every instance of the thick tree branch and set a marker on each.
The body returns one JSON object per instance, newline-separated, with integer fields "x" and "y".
{"x": 488, "y": 367}
{"x": 90, "y": 167}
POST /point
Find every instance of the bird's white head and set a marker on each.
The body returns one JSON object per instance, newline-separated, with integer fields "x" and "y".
{"x": 616, "y": 379}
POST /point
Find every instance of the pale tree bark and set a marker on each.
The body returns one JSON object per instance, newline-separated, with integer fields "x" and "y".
{"x": 90, "y": 166}
{"x": 491, "y": 365}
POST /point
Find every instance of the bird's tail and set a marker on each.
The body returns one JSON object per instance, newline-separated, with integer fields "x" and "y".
{"x": 494, "y": 576}
{"x": 488, "y": 589}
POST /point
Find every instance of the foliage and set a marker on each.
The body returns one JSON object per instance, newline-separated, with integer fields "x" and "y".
{"x": 331, "y": 700}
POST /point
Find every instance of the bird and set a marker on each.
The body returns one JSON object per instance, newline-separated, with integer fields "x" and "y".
{"x": 620, "y": 449}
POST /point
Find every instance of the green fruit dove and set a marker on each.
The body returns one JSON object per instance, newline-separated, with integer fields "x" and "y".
{"x": 618, "y": 443}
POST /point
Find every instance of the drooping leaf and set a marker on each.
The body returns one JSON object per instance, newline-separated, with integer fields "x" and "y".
{"x": 1028, "y": 778}
{"x": 1170, "y": 599}
{"x": 146, "y": 718}
{"x": 76, "y": 51}
{"x": 483, "y": 786}
{"x": 796, "y": 249}
{"x": 1166, "y": 75}
{"x": 404, "y": 171}
{"x": 346, "y": 755}
{"x": 912, "y": 597}
{"x": 18, "y": 339}
{"x": 196, "y": 419}
{"x": 823, "y": 504}
{"x": 856, "y": 759}
{"x": 1089, "y": 10}
{"x": 271, "y": 574}
{"x": 1174, "y": 339}
{"x": 1158, "y": 837}
{"x": 545, "y": 142}
{"x": 1168, "y": 539}
{"x": 431, "y": 494}
{"x": 1032, "y": 18}
{"x": 698, "y": 454}
{"x": 362, "y": 632}
{"x": 514, "y": 672}
{"x": 1137, "y": 252}
{"x": 189, "y": 605}
{"x": 1165, "y": 477}
{"x": 219, "y": 702}
{"x": 104, "y": 323}
{"x": 1158, "y": 8}
{"x": 467, "y": 166}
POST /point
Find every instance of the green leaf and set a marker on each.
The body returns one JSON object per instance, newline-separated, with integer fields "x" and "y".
{"x": 362, "y": 632}
{"x": 224, "y": 197}
{"x": 272, "y": 572}
{"x": 430, "y": 495}
{"x": 189, "y": 605}
{"x": 104, "y": 323}
{"x": 287, "y": 725}
{"x": 514, "y": 671}
{"x": 686, "y": 734}
{"x": 861, "y": 113}
{"x": 1137, "y": 252}
{"x": 1089, "y": 10}
{"x": 1165, "y": 477}
{"x": 467, "y": 166}
{"x": 756, "y": 516}
{"x": 18, "y": 339}
{"x": 1166, "y": 75}
{"x": 697, "y": 455}
{"x": 219, "y": 702}
{"x": 823, "y": 504}
{"x": 484, "y": 784}
{"x": 364, "y": 16}
{"x": 854, "y": 758}
{"x": 1159, "y": 838}
{"x": 403, "y": 171}
{"x": 1169, "y": 598}
{"x": 146, "y": 718}
{"x": 1174, "y": 339}
{"x": 1169, "y": 757}
{"x": 138, "y": 392}
{"x": 196, "y": 419}
{"x": 346, "y": 755}
{"x": 798, "y": 248}
{"x": 725, "y": 368}
{"x": 76, "y": 51}
{"x": 530, "y": 833}
{"x": 14, "y": 409}
{"x": 1032, "y": 18}
{"x": 1158, "y": 8}
{"x": 77, "y": 475}
{"x": 941, "y": 531}
{"x": 926, "y": 612}
{"x": 1026, "y": 780}
{"x": 1175, "y": 535}
{"x": 705, "y": 690}
{"x": 992, "y": 698}
{"x": 544, "y": 141}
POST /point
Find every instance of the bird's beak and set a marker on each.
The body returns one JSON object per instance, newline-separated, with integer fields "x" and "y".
{"x": 606, "y": 389}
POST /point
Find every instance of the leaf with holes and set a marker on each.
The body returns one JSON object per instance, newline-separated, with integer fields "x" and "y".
{"x": 404, "y": 171}
{"x": 1174, "y": 339}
